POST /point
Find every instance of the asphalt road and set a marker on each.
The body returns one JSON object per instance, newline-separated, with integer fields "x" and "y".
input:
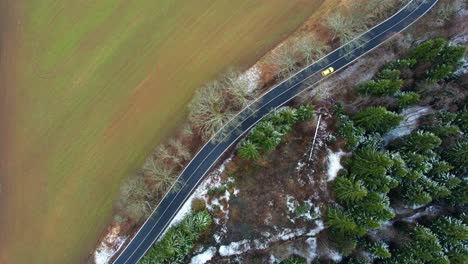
{"x": 195, "y": 171}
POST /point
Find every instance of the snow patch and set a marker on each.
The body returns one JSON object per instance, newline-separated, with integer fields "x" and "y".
{"x": 409, "y": 123}
{"x": 204, "y": 257}
{"x": 333, "y": 164}
{"x": 109, "y": 245}
{"x": 312, "y": 243}
{"x": 335, "y": 256}
{"x": 251, "y": 78}
{"x": 235, "y": 248}
{"x": 300, "y": 165}
{"x": 213, "y": 180}
{"x": 320, "y": 226}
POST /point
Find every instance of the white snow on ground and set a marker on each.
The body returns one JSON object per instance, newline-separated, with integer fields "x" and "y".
{"x": 300, "y": 165}
{"x": 213, "y": 180}
{"x": 334, "y": 164}
{"x": 273, "y": 260}
{"x": 463, "y": 69}
{"x": 204, "y": 257}
{"x": 251, "y": 77}
{"x": 235, "y": 248}
{"x": 312, "y": 242}
{"x": 409, "y": 123}
{"x": 240, "y": 247}
{"x": 293, "y": 204}
{"x": 315, "y": 231}
{"x": 109, "y": 245}
{"x": 335, "y": 256}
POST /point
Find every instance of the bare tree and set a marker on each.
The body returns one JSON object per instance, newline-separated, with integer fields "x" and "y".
{"x": 162, "y": 153}
{"x": 309, "y": 48}
{"x": 345, "y": 28}
{"x": 285, "y": 59}
{"x": 447, "y": 10}
{"x": 187, "y": 130}
{"x": 180, "y": 150}
{"x": 161, "y": 174}
{"x": 208, "y": 111}
{"x": 133, "y": 198}
{"x": 237, "y": 87}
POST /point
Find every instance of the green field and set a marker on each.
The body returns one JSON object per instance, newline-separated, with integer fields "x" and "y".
{"x": 89, "y": 87}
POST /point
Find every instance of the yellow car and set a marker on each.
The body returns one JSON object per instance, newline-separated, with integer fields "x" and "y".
{"x": 327, "y": 71}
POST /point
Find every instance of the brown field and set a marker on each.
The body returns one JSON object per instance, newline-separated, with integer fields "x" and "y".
{"x": 89, "y": 87}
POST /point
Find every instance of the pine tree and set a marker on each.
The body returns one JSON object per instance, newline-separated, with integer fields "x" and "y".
{"x": 305, "y": 112}
{"x": 421, "y": 142}
{"x": 458, "y": 156}
{"x": 380, "y": 250}
{"x": 380, "y": 87}
{"x": 406, "y": 99}
{"x": 371, "y": 167}
{"x": 349, "y": 191}
{"x": 248, "y": 151}
{"x": 294, "y": 260}
{"x": 341, "y": 222}
{"x": 425, "y": 244}
{"x": 429, "y": 50}
{"x": 450, "y": 230}
{"x": 377, "y": 119}
{"x": 348, "y": 131}
{"x": 462, "y": 120}
{"x": 453, "y": 235}
{"x": 372, "y": 211}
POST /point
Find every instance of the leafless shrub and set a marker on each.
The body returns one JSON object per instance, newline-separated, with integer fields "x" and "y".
{"x": 180, "y": 150}
{"x": 237, "y": 88}
{"x": 133, "y": 199}
{"x": 187, "y": 131}
{"x": 285, "y": 60}
{"x": 162, "y": 175}
{"x": 309, "y": 48}
{"x": 447, "y": 10}
{"x": 208, "y": 111}
{"x": 163, "y": 153}
{"x": 345, "y": 28}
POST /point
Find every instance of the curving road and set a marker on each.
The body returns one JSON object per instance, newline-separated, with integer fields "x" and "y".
{"x": 195, "y": 171}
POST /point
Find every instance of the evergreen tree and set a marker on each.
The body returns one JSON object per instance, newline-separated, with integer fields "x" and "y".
{"x": 418, "y": 163}
{"x": 305, "y": 112}
{"x": 462, "y": 120}
{"x": 398, "y": 170}
{"x": 348, "y": 131}
{"x": 377, "y": 119}
{"x": 425, "y": 244}
{"x": 379, "y": 250}
{"x": 458, "y": 156}
{"x": 372, "y": 211}
{"x": 450, "y": 230}
{"x": 341, "y": 222}
{"x": 440, "y": 72}
{"x": 416, "y": 192}
{"x": 429, "y": 50}
{"x": 421, "y": 142}
{"x": 453, "y": 235}
{"x": 371, "y": 167}
{"x": 388, "y": 74}
{"x": 406, "y": 99}
{"x": 380, "y": 87}
{"x": 349, "y": 191}
{"x": 459, "y": 193}
{"x": 401, "y": 64}
{"x": 248, "y": 151}
{"x": 294, "y": 260}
